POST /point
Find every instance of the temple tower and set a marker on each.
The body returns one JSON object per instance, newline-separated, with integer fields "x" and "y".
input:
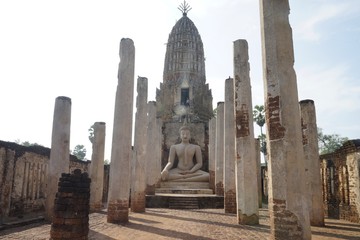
{"x": 184, "y": 97}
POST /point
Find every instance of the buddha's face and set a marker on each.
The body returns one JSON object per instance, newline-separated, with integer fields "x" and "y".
{"x": 185, "y": 135}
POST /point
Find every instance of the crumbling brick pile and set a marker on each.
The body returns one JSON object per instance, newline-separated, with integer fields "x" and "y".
{"x": 71, "y": 210}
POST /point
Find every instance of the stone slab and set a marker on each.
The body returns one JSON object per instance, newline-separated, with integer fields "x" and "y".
{"x": 185, "y": 185}
{"x": 183, "y": 191}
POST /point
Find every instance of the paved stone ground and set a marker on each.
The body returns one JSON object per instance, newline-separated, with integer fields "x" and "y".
{"x": 204, "y": 224}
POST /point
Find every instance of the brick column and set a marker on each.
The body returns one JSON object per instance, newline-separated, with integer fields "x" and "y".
{"x": 229, "y": 148}
{"x": 312, "y": 162}
{"x": 97, "y": 166}
{"x": 289, "y": 216}
{"x": 119, "y": 181}
{"x": 219, "y": 150}
{"x": 212, "y": 140}
{"x": 60, "y": 150}
{"x": 138, "y": 200}
{"x": 71, "y": 212}
{"x": 246, "y": 166}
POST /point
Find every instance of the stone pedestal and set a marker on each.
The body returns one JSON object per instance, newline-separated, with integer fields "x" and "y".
{"x": 97, "y": 166}
{"x": 289, "y": 215}
{"x": 138, "y": 199}
{"x": 312, "y": 163}
{"x": 219, "y": 150}
{"x": 60, "y": 151}
{"x": 212, "y": 140}
{"x": 119, "y": 181}
{"x": 246, "y": 162}
{"x": 229, "y": 148}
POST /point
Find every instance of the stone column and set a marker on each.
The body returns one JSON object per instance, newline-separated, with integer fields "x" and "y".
{"x": 138, "y": 199}
{"x": 246, "y": 165}
{"x": 312, "y": 163}
{"x": 229, "y": 148}
{"x": 97, "y": 166}
{"x": 212, "y": 140}
{"x": 60, "y": 151}
{"x": 119, "y": 181}
{"x": 289, "y": 216}
{"x": 158, "y": 140}
{"x": 219, "y": 150}
{"x": 153, "y": 162}
{"x": 258, "y": 170}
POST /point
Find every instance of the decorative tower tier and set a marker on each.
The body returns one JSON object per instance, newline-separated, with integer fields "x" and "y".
{"x": 184, "y": 93}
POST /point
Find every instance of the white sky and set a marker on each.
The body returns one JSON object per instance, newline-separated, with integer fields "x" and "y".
{"x": 70, "y": 48}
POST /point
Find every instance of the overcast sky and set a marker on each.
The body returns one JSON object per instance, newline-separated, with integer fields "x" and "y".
{"x": 71, "y": 48}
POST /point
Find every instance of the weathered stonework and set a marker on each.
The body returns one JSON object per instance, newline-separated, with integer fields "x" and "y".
{"x": 246, "y": 163}
{"x": 118, "y": 197}
{"x": 212, "y": 141}
{"x": 97, "y": 166}
{"x": 340, "y": 173}
{"x": 312, "y": 165}
{"x": 259, "y": 172}
{"x": 289, "y": 214}
{"x": 139, "y": 172}
{"x": 23, "y": 176}
{"x": 71, "y": 211}
{"x": 219, "y": 150}
{"x": 60, "y": 150}
{"x": 229, "y": 148}
{"x": 153, "y": 150}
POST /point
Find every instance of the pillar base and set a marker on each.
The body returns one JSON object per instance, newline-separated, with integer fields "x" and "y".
{"x": 95, "y": 207}
{"x": 118, "y": 211}
{"x": 138, "y": 202}
{"x": 230, "y": 202}
{"x": 150, "y": 189}
{"x": 219, "y": 189}
{"x": 284, "y": 224}
{"x": 247, "y": 220}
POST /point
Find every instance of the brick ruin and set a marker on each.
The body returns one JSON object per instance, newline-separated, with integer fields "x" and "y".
{"x": 340, "y": 173}
{"x": 184, "y": 97}
{"x": 23, "y": 174}
{"x": 71, "y": 209}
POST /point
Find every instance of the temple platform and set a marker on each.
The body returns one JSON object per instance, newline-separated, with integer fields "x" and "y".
{"x": 184, "y": 195}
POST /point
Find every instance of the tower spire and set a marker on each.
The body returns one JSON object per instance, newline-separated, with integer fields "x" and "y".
{"x": 184, "y": 8}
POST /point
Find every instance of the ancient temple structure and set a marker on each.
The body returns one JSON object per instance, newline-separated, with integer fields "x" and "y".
{"x": 184, "y": 96}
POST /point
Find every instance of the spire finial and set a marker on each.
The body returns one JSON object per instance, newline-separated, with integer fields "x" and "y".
{"x": 184, "y": 8}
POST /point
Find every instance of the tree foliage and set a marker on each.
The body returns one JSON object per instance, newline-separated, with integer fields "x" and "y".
{"x": 26, "y": 143}
{"x": 91, "y": 133}
{"x": 259, "y": 115}
{"x": 329, "y": 143}
{"x": 79, "y": 151}
{"x": 259, "y": 118}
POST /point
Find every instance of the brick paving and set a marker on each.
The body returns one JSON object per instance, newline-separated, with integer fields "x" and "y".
{"x": 159, "y": 223}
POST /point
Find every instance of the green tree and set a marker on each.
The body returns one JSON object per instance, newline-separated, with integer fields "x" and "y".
{"x": 26, "y": 143}
{"x": 91, "y": 133}
{"x": 106, "y": 162}
{"x": 79, "y": 151}
{"x": 259, "y": 118}
{"x": 329, "y": 143}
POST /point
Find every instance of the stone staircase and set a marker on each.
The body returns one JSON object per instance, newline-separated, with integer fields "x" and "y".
{"x": 183, "y": 203}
